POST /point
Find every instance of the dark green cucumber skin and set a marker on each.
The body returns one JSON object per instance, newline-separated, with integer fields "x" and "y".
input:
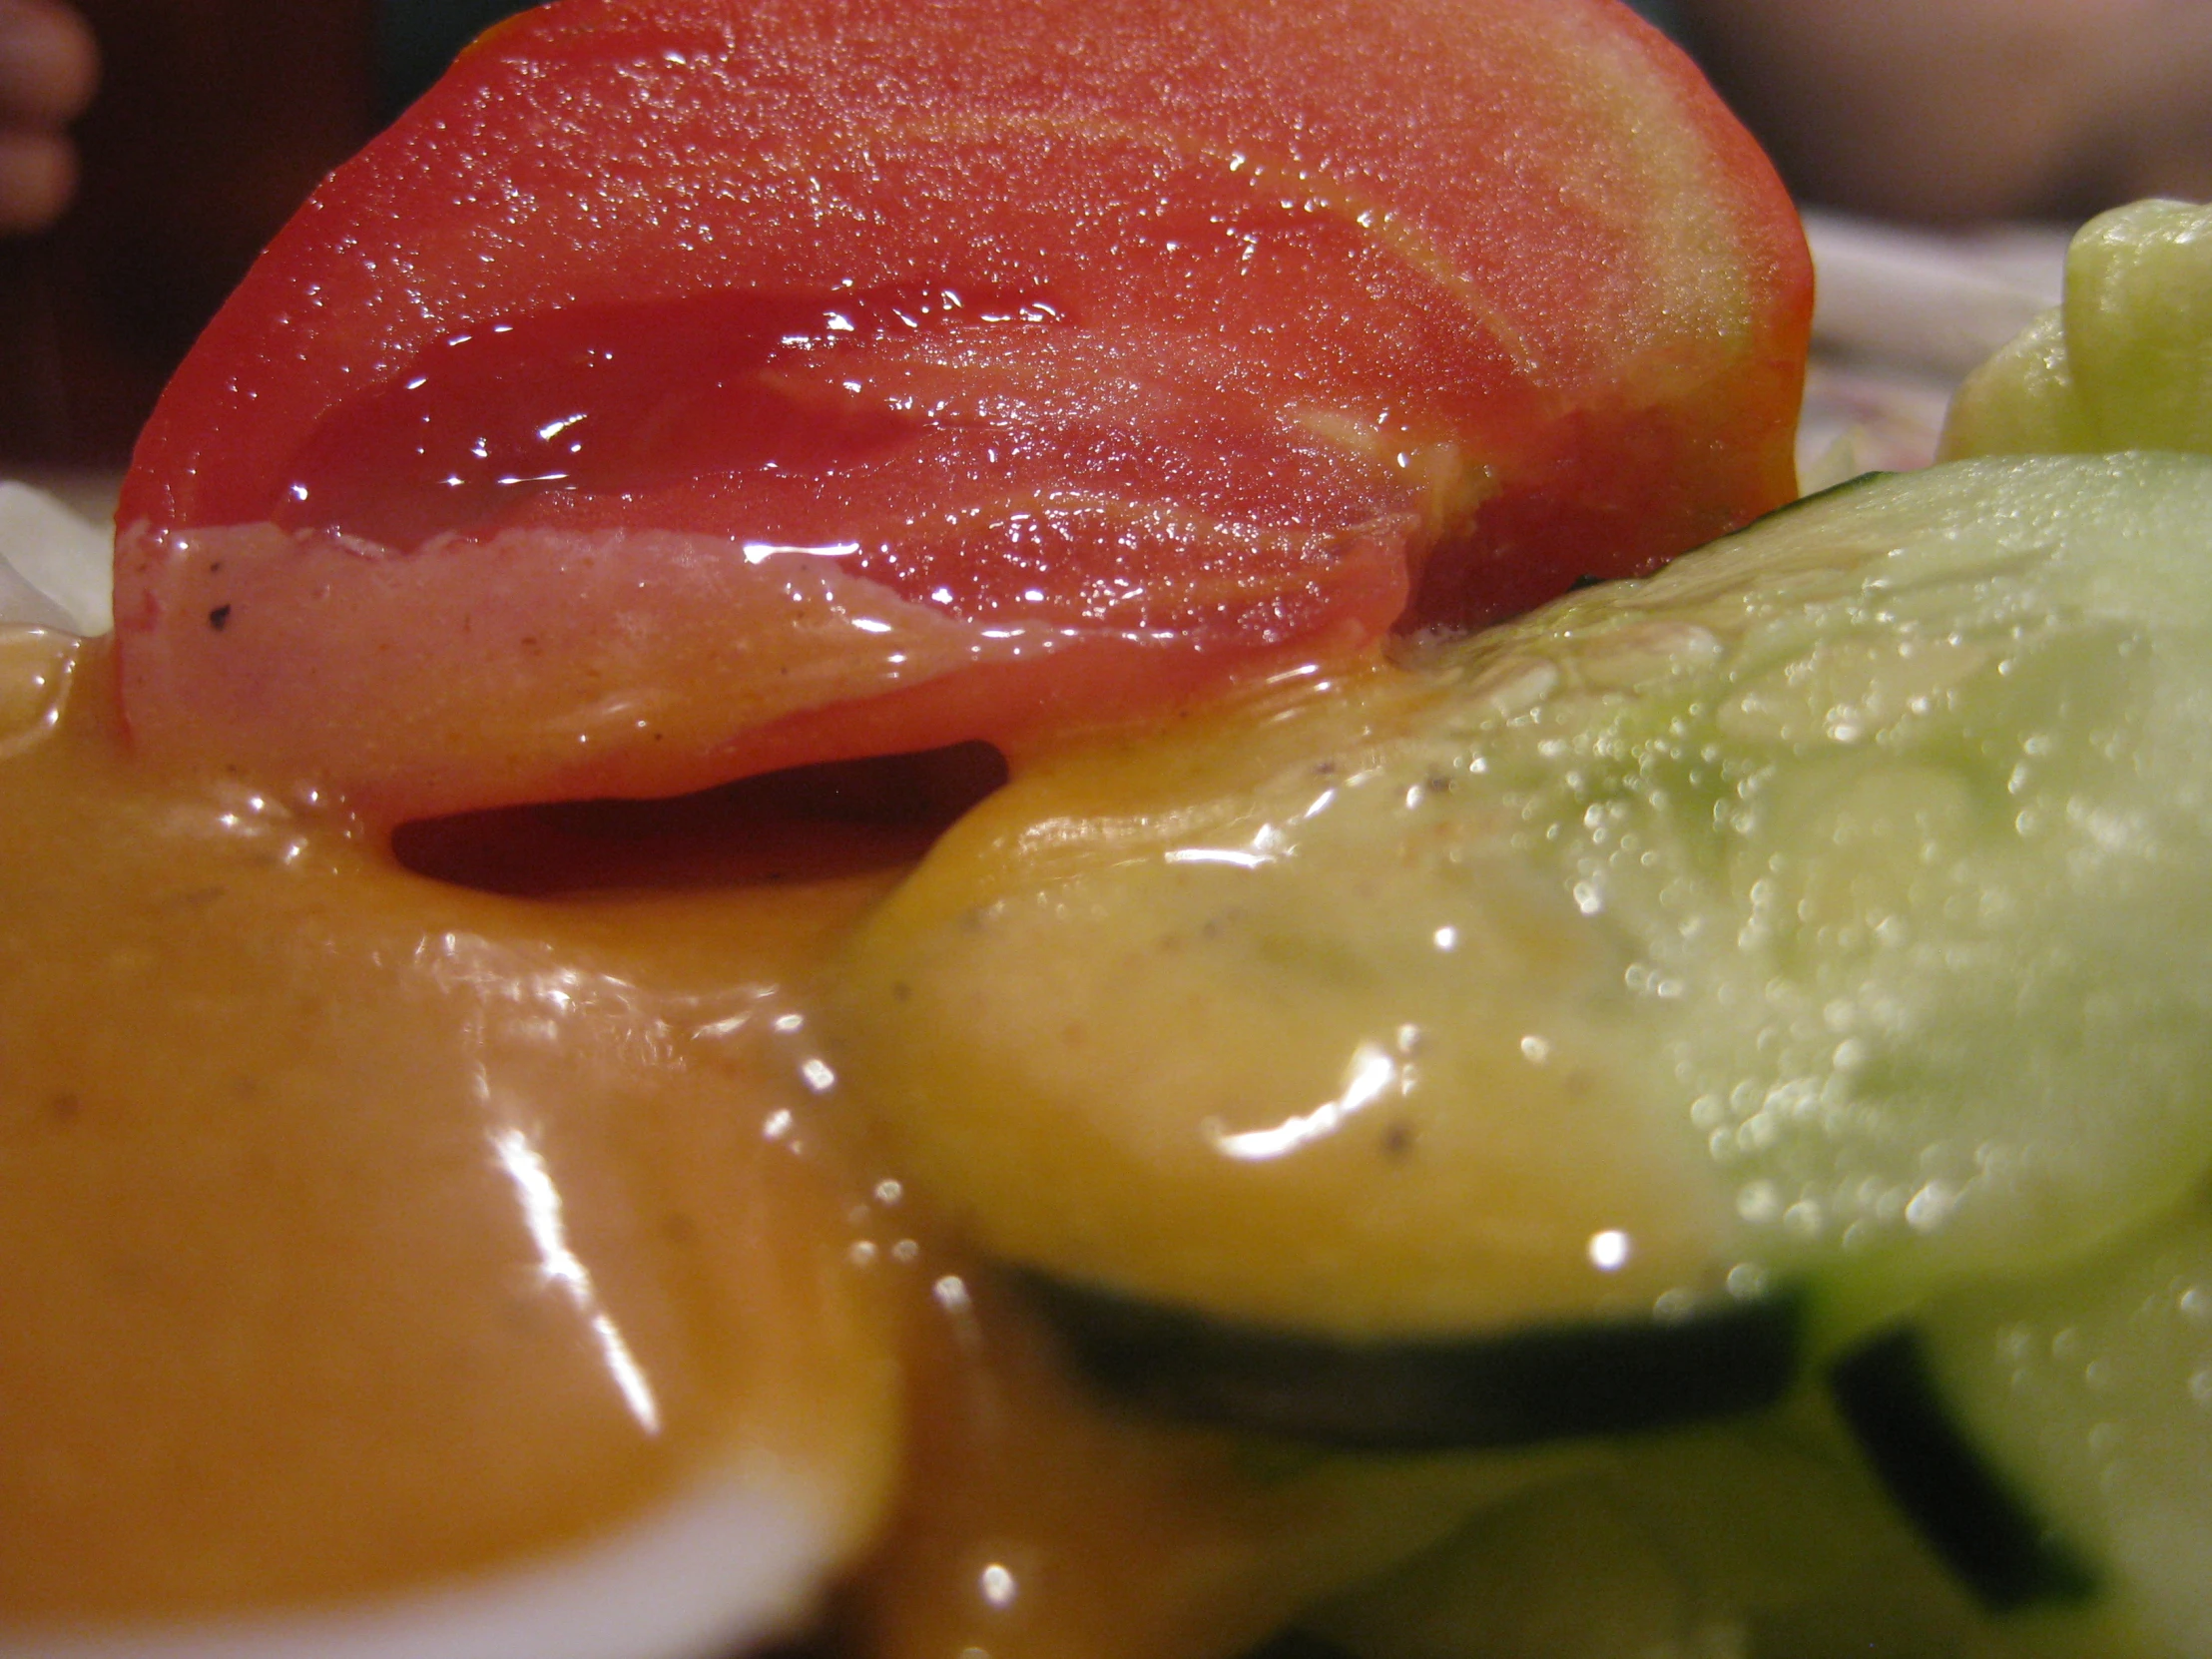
{"x": 1971, "y": 1517}
{"x": 1857, "y": 481}
{"x": 1513, "y": 1388}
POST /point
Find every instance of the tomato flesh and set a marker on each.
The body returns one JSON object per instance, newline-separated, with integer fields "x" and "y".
{"x": 687, "y": 386}
{"x": 724, "y": 414}
{"x": 597, "y": 399}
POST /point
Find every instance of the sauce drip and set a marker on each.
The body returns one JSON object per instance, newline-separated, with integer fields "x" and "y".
{"x": 615, "y": 399}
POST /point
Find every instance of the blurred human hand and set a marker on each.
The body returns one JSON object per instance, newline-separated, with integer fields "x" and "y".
{"x": 48, "y": 66}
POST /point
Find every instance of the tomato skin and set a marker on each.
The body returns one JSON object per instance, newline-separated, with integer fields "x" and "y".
{"x": 1401, "y": 314}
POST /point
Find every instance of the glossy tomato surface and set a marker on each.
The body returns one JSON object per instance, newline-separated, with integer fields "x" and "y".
{"x": 689, "y": 388}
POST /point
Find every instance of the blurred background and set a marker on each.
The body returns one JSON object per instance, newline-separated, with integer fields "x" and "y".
{"x": 211, "y": 119}
{"x": 208, "y": 123}
{"x": 208, "y": 120}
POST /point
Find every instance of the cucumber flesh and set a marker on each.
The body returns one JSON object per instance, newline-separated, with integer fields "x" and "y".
{"x": 1754, "y": 1541}
{"x": 2125, "y": 363}
{"x": 1832, "y": 911}
{"x": 2087, "y": 1397}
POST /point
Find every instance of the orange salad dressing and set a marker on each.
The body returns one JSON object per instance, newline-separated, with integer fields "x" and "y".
{"x": 359, "y": 1228}
{"x": 361, "y": 1231}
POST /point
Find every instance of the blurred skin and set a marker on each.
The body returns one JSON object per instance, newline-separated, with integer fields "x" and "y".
{"x": 1952, "y": 110}
{"x": 48, "y": 65}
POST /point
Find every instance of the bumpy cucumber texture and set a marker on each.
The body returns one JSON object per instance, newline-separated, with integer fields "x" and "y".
{"x": 1831, "y": 912}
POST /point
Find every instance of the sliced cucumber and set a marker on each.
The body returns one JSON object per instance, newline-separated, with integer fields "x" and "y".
{"x": 1748, "y": 1543}
{"x": 1518, "y": 1388}
{"x": 2004, "y": 1550}
{"x": 2054, "y": 1437}
{"x": 1565, "y": 1572}
{"x": 2125, "y": 363}
{"x": 1832, "y": 909}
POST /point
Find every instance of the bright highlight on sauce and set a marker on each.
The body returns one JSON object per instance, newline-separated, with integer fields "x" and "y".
{"x": 362, "y": 1231}
{"x": 370, "y": 1235}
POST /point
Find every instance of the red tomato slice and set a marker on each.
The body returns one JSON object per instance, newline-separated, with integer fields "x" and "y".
{"x": 689, "y": 388}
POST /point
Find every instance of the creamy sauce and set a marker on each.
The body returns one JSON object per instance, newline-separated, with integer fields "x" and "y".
{"x": 1038, "y": 1524}
{"x": 359, "y": 1230}
{"x": 362, "y": 1231}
